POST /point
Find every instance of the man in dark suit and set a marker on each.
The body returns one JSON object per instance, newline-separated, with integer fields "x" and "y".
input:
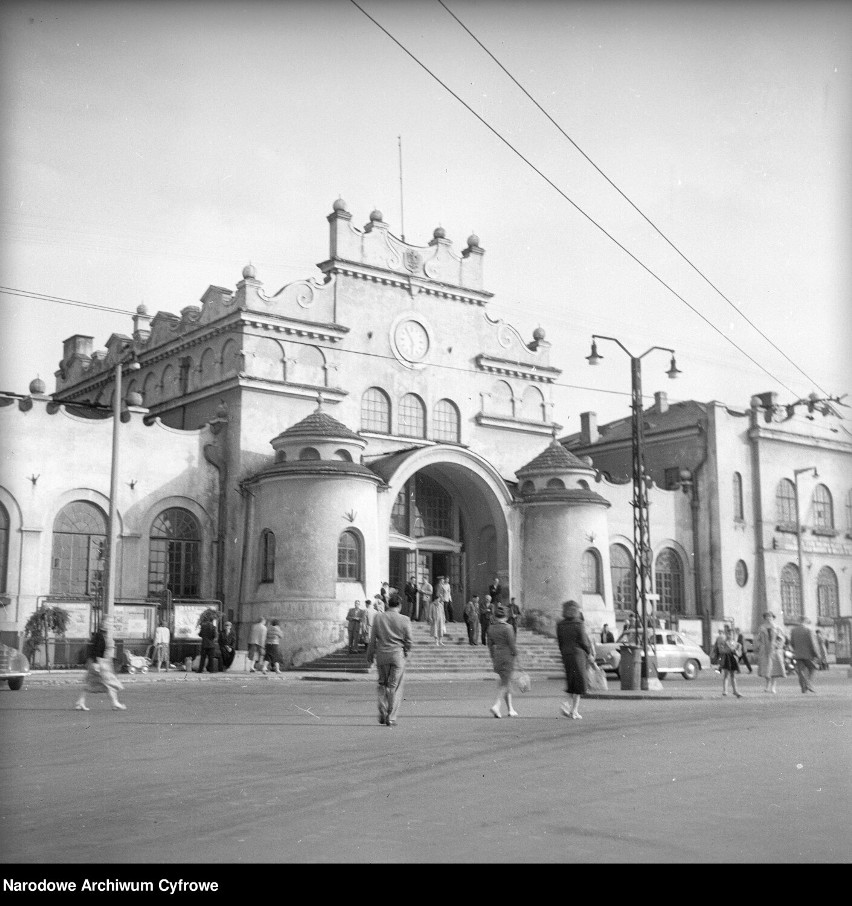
{"x": 806, "y": 651}
{"x": 495, "y": 590}
{"x": 606, "y": 635}
{"x": 209, "y": 646}
{"x": 410, "y": 599}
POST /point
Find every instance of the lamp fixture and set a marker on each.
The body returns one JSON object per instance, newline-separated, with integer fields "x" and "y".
{"x": 594, "y": 358}
{"x": 673, "y": 371}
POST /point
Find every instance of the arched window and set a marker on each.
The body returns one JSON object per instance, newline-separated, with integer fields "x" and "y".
{"x": 446, "y": 421}
{"x": 669, "y": 579}
{"x": 528, "y": 487}
{"x": 4, "y": 547}
{"x": 823, "y": 508}
{"x": 591, "y": 572}
{"x": 343, "y": 455}
{"x": 791, "y": 602}
{"x": 79, "y": 549}
{"x": 375, "y": 411}
{"x": 582, "y": 483}
{"x": 827, "y": 602}
{"x": 349, "y": 557}
{"x": 623, "y": 583}
{"x": 174, "y": 555}
{"x": 207, "y": 368}
{"x": 502, "y": 400}
{"x": 167, "y": 383}
{"x": 149, "y": 389}
{"x": 230, "y": 361}
{"x": 556, "y": 483}
{"x": 309, "y": 453}
{"x": 533, "y": 408}
{"x": 785, "y": 502}
{"x": 738, "y": 497}
{"x": 308, "y": 366}
{"x": 412, "y": 416}
{"x": 267, "y": 556}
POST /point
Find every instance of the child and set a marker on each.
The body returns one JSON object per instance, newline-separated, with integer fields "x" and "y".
{"x": 726, "y": 651}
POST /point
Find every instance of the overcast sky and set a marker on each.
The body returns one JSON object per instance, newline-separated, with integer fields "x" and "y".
{"x": 150, "y": 149}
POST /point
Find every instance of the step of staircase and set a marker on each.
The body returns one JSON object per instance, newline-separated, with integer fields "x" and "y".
{"x": 537, "y": 653}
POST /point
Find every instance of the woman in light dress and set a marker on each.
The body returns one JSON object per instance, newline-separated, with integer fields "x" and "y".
{"x": 769, "y": 645}
{"x": 100, "y": 676}
{"x": 437, "y": 618}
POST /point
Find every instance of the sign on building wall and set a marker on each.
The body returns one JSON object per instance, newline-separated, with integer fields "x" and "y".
{"x": 80, "y": 618}
{"x": 133, "y": 621}
{"x": 186, "y": 620}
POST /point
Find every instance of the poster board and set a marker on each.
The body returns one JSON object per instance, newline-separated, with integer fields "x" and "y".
{"x": 692, "y": 631}
{"x": 80, "y": 618}
{"x": 133, "y": 621}
{"x": 186, "y": 620}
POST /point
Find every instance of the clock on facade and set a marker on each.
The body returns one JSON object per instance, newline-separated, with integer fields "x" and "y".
{"x": 411, "y": 340}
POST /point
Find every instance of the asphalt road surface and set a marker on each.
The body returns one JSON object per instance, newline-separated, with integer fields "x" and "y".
{"x": 282, "y": 770}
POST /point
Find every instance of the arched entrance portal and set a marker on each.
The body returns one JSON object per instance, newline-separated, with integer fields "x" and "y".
{"x": 448, "y": 513}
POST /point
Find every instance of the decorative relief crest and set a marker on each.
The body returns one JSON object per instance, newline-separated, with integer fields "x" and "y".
{"x": 413, "y": 260}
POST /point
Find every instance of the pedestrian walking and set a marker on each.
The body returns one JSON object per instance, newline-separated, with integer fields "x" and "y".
{"x": 436, "y": 621}
{"x": 227, "y": 645}
{"x": 425, "y": 600}
{"x": 823, "y": 650}
{"x": 486, "y": 612}
{"x": 503, "y": 650}
{"x": 743, "y": 653}
{"x": 257, "y": 644}
{"x": 770, "y": 652}
{"x": 209, "y": 646}
{"x": 353, "y": 621}
{"x": 575, "y": 646}
{"x": 806, "y": 650}
{"x": 273, "y": 646}
{"x": 513, "y": 615}
{"x": 445, "y": 593}
{"x": 100, "y": 676}
{"x": 471, "y": 619}
{"x": 726, "y": 653}
{"x": 390, "y": 643}
{"x": 162, "y": 641}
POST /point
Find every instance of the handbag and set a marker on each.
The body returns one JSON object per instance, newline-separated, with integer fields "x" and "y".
{"x": 596, "y": 679}
{"x": 521, "y": 679}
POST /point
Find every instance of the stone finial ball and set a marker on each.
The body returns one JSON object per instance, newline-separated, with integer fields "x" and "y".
{"x": 538, "y": 334}
{"x": 141, "y": 309}
{"x": 249, "y": 272}
{"x": 37, "y": 386}
{"x": 376, "y": 216}
{"x": 439, "y": 233}
{"x": 473, "y": 241}
{"x": 134, "y": 399}
{"x": 339, "y": 207}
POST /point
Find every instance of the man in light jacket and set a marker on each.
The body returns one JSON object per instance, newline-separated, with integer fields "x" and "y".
{"x": 807, "y": 653}
{"x": 390, "y": 643}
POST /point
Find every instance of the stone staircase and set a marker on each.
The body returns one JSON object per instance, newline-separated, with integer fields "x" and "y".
{"x": 537, "y": 653}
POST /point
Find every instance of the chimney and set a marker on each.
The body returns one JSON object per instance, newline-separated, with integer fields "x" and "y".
{"x": 588, "y": 428}
{"x": 661, "y": 402}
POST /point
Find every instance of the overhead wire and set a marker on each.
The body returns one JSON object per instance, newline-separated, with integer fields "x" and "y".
{"x": 574, "y": 204}
{"x": 632, "y": 204}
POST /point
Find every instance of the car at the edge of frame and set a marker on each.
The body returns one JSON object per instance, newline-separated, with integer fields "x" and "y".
{"x": 14, "y": 666}
{"x": 674, "y": 653}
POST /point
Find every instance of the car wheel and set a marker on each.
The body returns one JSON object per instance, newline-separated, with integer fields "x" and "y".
{"x": 661, "y": 675}
{"x": 690, "y": 669}
{"x": 16, "y": 682}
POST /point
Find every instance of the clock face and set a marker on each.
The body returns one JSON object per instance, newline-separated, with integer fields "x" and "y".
{"x": 412, "y": 341}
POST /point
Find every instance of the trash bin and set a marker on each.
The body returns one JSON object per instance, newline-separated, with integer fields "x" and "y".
{"x": 630, "y": 667}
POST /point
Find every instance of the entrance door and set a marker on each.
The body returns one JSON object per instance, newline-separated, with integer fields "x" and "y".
{"x": 397, "y": 577}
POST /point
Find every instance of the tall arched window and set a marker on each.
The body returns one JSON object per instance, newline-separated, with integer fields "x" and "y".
{"x": 533, "y": 407}
{"x": 623, "y": 583}
{"x": 791, "y": 601}
{"x": 349, "y": 556}
{"x": 375, "y": 411}
{"x": 79, "y": 549}
{"x": 669, "y": 578}
{"x": 308, "y": 366}
{"x": 591, "y": 572}
{"x": 785, "y": 502}
{"x": 502, "y": 400}
{"x": 823, "y": 508}
{"x": 446, "y": 421}
{"x": 412, "y": 416}
{"x": 827, "y": 601}
{"x": 738, "y": 497}
{"x": 4, "y": 547}
{"x": 174, "y": 554}
{"x": 267, "y": 556}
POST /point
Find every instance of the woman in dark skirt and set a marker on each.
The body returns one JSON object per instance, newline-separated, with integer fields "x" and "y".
{"x": 228, "y": 645}
{"x": 727, "y": 650}
{"x": 576, "y": 649}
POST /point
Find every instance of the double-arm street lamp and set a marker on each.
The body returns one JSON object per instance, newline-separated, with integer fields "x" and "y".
{"x": 641, "y": 530}
{"x": 112, "y": 537}
{"x": 796, "y": 474}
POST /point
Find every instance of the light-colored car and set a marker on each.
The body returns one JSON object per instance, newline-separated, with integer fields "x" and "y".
{"x": 673, "y": 653}
{"x": 14, "y": 667}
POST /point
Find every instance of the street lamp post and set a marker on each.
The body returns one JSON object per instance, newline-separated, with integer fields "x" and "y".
{"x": 112, "y": 537}
{"x": 796, "y": 474}
{"x": 641, "y": 530}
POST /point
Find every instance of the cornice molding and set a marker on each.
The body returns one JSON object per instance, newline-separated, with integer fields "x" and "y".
{"x": 545, "y": 374}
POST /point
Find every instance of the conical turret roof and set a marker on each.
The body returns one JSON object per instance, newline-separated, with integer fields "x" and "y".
{"x": 555, "y": 458}
{"x": 318, "y": 425}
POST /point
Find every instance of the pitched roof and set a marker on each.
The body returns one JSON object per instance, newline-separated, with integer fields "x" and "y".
{"x": 554, "y": 458}
{"x": 318, "y": 425}
{"x": 678, "y": 415}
